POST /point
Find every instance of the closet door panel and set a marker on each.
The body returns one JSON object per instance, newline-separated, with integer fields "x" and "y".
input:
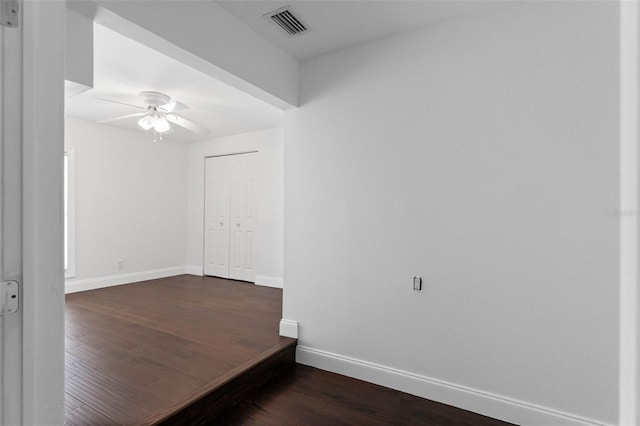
{"x": 216, "y": 250}
{"x": 243, "y": 217}
{"x": 250, "y": 216}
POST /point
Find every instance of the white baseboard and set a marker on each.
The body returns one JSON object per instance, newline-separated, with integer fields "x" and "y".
{"x": 195, "y": 270}
{"x": 72, "y": 286}
{"x": 477, "y": 401}
{"x": 269, "y": 281}
{"x": 289, "y": 328}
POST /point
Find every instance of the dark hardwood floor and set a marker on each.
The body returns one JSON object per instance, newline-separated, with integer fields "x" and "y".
{"x": 136, "y": 353}
{"x": 308, "y": 396}
{"x": 181, "y": 350}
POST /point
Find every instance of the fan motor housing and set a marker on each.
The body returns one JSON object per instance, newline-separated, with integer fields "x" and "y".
{"x": 155, "y": 98}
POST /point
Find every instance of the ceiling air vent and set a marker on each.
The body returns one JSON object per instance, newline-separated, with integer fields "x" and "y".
{"x": 286, "y": 21}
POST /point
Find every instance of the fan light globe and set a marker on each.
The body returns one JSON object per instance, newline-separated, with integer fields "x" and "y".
{"x": 147, "y": 122}
{"x": 162, "y": 125}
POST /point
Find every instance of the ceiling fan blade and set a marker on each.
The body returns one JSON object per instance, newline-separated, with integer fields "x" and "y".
{"x": 122, "y": 117}
{"x": 187, "y": 124}
{"x": 173, "y": 106}
{"x": 122, "y": 103}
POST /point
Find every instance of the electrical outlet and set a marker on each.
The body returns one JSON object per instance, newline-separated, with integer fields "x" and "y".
{"x": 417, "y": 283}
{"x": 120, "y": 264}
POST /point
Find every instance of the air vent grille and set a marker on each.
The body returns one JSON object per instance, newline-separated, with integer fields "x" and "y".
{"x": 287, "y": 21}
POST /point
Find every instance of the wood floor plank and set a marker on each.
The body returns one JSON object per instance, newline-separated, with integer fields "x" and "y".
{"x": 105, "y": 402}
{"x": 277, "y": 403}
{"x": 71, "y": 403}
{"x": 185, "y": 364}
{"x": 122, "y": 387}
{"x": 169, "y": 388}
{"x": 156, "y": 338}
{"x": 85, "y": 415}
{"x": 126, "y": 372}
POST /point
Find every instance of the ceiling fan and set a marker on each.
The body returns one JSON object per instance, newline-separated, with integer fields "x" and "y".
{"x": 158, "y": 114}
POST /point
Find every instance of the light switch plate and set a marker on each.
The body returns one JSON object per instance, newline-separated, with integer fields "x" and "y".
{"x": 417, "y": 283}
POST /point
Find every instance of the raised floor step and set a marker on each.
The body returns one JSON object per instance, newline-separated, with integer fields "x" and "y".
{"x": 204, "y": 404}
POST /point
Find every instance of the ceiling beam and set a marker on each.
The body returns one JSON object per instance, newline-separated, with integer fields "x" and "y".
{"x": 206, "y": 37}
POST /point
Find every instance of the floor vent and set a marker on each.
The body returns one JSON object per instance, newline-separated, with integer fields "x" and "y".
{"x": 286, "y": 21}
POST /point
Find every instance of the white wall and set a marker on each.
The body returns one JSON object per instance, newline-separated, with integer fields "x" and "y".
{"x": 131, "y": 204}
{"x": 78, "y": 54}
{"x": 482, "y": 154}
{"x": 269, "y": 199}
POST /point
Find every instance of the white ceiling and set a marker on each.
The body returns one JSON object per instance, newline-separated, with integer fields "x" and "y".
{"x": 123, "y": 68}
{"x": 336, "y": 25}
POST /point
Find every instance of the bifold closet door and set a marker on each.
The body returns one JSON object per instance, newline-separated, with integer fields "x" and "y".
{"x": 230, "y": 216}
{"x": 216, "y": 212}
{"x": 242, "y": 217}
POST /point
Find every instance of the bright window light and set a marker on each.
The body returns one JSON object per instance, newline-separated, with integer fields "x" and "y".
{"x": 69, "y": 215}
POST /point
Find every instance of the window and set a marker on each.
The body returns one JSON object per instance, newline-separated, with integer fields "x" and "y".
{"x": 69, "y": 215}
